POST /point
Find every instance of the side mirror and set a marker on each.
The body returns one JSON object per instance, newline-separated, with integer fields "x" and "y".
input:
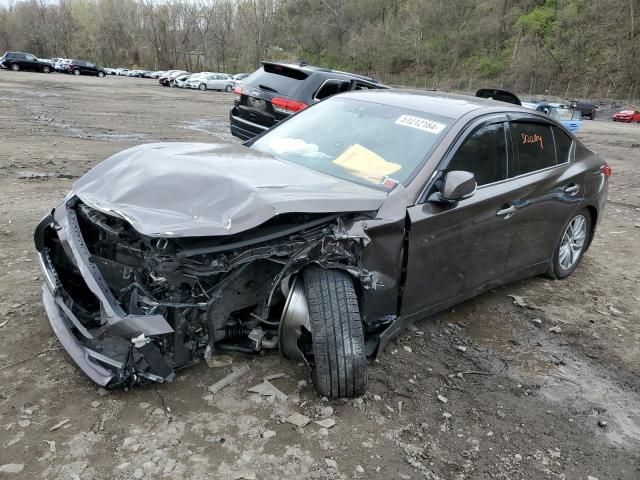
{"x": 458, "y": 185}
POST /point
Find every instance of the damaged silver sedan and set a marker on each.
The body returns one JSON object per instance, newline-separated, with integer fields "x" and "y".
{"x": 320, "y": 239}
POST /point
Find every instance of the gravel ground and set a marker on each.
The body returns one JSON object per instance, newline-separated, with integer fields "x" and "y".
{"x": 483, "y": 391}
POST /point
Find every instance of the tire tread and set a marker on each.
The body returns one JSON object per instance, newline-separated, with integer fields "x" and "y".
{"x": 338, "y": 336}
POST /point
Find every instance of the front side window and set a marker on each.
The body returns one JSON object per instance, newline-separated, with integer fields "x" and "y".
{"x": 534, "y": 147}
{"x": 368, "y": 143}
{"x": 484, "y": 153}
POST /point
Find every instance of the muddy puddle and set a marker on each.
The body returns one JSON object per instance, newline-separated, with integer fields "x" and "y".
{"x": 534, "y": 356}
{"x": 212, "y": 127}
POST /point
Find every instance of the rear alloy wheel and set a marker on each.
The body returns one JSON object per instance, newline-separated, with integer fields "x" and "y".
{"x": 339, "y": 361}
{"x": 46, "y": 69}
{"x": 228, "y": 88}
{"x": 572, "y": 245}
{"x": 100, "y": 74}
{"x": 15, "y": 67}
{"x": 76, "y": 72}
{"x": 202, "y": 87}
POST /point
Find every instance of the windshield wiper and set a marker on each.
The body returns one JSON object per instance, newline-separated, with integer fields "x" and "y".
{"x": 268, "y": 89}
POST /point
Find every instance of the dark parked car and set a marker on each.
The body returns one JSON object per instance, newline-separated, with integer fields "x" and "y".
{"x": 276, "y": 90}
{"x": 24, "y": 61}
{"x": 84, "y": 67}
{"x": 588, "y": 109}
{"x": 322, "y": 238}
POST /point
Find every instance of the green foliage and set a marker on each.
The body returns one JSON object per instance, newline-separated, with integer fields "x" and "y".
{"x": 541, "y": 21}
{"x": 524, "y": 43}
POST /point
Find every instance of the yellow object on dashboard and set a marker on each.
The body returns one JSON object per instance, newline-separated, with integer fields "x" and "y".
{"x": 366, "y": 164}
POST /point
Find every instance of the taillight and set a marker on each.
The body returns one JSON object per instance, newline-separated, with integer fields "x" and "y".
{"x": 606, "y": 170}
{"x": 283, "y": 105}
{"x": 237, "y": 92}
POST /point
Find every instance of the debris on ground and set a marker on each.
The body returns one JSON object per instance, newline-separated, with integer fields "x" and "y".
{"x": 442, "y": 399}
{"x": 298, "y": 419}
{"x": 59, "y": 424}
{"x": 519, "y": 301}
{"x": 326, "y": 423}
{"x": 555, "y": 329}
{"x": 267, "y": 389}
{"x": 52, "y": 445}
{"x": 229, "y": 379}
{"x": 218, "y": 361}
{"x": 12, "y": 468}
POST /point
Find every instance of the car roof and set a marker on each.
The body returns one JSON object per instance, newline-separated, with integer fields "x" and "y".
{"x": 304, "y": 67}
{"x": 446, "y": 104}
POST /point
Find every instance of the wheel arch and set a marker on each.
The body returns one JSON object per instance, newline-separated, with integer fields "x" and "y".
{"x": 593, "y": 211}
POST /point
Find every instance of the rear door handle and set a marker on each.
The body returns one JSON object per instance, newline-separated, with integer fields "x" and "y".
{"x": 572, "y": 189}
{"x": 507, "y": 212}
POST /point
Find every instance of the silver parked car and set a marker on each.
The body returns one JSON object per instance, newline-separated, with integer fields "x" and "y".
{"x": 214, "y": 81}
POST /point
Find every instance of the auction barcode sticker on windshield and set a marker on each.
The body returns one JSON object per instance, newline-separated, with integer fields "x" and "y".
{"x": 420, "y": 123}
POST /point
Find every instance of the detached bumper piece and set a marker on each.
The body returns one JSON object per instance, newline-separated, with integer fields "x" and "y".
{"x": 110, "y": 346}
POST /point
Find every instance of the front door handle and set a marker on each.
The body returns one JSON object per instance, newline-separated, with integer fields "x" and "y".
{"x": 507, "y": 212}
{"x": 572, "y": 189}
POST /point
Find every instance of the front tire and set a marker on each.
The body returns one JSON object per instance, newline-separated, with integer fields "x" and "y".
{"x": 228, "y": 88}
{"x": 574, "y": 241}
{"x": 15, "y": 67}
{"x": 46, "y": 69}
{"x": 100, "y": 74}
{"x": 339, "y": 360}
{"x": 202, "y": 87}
{"x": 76, "y": 72}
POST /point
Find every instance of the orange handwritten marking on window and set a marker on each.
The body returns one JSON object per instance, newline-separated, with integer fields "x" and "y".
{"x": 535, "y": 138}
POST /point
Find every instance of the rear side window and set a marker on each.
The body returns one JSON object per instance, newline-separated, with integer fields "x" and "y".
{"x": 484, "y": 153}
{"x": 563, "y": 145}
{"x": 276, "y": 79}
{"x": 331, "y": 87}
{"x": 534, "y": 147}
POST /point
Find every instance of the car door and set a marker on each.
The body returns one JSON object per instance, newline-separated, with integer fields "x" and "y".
{"x": 211, "y": 82}
{"x": 551, "y": 189}
{"x": 21, "y": 60}
{"x": 90, "y": 68}
{"x": 30, "y": 62}
{"x": 455, "y": 249}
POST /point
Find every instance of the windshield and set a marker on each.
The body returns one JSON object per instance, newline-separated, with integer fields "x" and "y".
{"x": 363, "y": 142}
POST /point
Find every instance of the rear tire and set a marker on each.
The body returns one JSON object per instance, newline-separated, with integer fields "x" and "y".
{"x": 202, "y": 87}
{"x": 228, "y": 88}
{"x": 15, "y": 67}
{"x": 100, "y": 74}
{"x": 76, "y": 72}
{"x": 339, "y": 361}
{"x": 576, "y": 236}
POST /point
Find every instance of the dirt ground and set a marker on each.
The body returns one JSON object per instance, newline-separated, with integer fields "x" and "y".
{"x": 517, "y": 401}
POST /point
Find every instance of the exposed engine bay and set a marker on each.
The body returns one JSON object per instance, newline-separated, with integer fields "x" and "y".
{"x": 215, "y": 293}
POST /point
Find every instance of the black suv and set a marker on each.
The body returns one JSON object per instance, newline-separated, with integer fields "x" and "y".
{"x": 588, "y": 109}
{"x": 276, "y": 90}
{"x": 24, "y": 61}
{"x": 83, "y": 67}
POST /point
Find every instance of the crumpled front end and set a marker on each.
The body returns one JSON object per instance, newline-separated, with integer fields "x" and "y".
{"x": 129, "y": 308}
